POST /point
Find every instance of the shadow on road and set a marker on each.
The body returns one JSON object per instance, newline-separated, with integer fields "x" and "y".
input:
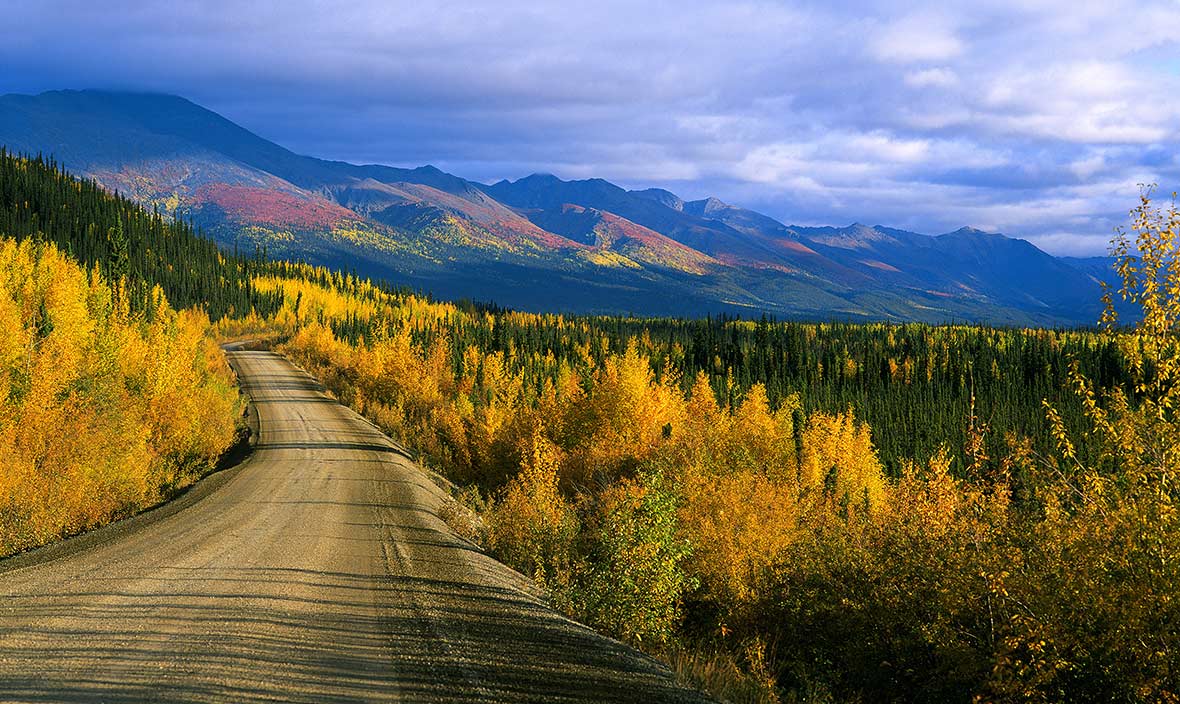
{"x": 479, "y": 644}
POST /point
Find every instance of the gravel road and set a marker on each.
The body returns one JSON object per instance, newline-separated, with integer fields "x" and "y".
{"x": 319, "y": 570}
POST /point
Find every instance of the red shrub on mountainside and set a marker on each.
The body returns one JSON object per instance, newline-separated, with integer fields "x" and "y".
{"x": 264, "y": 206}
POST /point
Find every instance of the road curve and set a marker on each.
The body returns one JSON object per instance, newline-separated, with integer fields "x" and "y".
{"x": 318, "y": 571}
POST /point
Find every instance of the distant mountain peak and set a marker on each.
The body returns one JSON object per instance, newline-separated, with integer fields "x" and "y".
{"x": 661, "y": 196}
{"x": 967, "y": 230}
{"x": 707, "y": 207}
{"x": 538, "y": 177}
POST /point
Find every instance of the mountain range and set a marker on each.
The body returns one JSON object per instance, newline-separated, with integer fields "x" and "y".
{"x": 537, "y": 243}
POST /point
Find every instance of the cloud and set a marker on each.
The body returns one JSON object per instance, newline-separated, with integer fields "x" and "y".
{"x": 1072, "y": 243}
{"x": 991, "y": 114}
{"x": 920, "y": 37}
{"x": 1087, "y": 166}
{"x": 853, "y": 160}
{"x": 932, "y": 78}
{"x": 1097, "y": 102}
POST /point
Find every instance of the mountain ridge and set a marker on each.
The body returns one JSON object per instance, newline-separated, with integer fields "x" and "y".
{"x": 538, "y": 242}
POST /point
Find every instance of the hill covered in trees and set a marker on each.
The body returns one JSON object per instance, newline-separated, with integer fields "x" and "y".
{"x": 110, "y": 399}
{"x": 39, "y": 200}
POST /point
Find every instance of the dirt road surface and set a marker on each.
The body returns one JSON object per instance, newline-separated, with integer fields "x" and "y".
{"x": 319, "y": 570}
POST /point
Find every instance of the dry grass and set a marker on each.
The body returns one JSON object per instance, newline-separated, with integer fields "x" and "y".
{"x": 720, "y": 676}
{"x": 464, "y": 514}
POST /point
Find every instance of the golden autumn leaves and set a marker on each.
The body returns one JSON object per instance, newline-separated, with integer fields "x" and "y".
{"x": 615, "y": 489}
{"x": 103, "y": 412}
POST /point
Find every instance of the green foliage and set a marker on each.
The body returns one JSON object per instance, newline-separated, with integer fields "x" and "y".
{"x": 634, "y": 581}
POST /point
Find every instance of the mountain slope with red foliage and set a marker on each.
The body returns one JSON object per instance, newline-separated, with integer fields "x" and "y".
{"x": 605, "y": 231}
{"x": 268, "y": 206}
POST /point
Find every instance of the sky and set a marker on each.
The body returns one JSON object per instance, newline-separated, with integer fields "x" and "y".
{"x": 1036, "y": 118}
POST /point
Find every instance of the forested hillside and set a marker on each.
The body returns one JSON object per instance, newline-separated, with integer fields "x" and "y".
{"x": 38, "y": 200}
{"x": 110, "y": 399}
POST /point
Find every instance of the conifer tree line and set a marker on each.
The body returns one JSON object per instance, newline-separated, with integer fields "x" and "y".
{"x": 39, "y": 200}
{"x": 917, "y": 385}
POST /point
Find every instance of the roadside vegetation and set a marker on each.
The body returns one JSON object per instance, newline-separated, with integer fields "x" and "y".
{"x": 783, "y": 511}
{"x": 111, "y": 400}
{"x": 766, "y": 547}
{"x": 105, "y": 412}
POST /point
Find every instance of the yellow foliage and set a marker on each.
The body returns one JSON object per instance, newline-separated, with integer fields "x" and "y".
{"x": 765, "y": 440}
{"x": 533, "y": 526}
{"x": 739, "y": 524}
{"x": 103, "y": 413}
{"x": 624, "y": 418}
{"x": 839, "y": 461}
